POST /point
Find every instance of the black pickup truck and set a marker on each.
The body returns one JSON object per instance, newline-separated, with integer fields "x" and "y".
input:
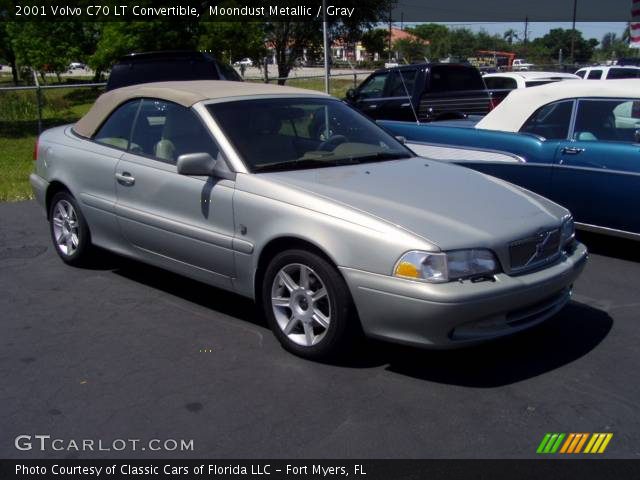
{"x": 426, "y": 92}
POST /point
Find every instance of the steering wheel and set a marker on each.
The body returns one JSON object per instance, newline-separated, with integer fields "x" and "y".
{"x": 332, "y": 142}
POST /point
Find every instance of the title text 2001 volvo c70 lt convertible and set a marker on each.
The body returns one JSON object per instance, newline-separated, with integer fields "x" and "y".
{"x": 292, "y": 198}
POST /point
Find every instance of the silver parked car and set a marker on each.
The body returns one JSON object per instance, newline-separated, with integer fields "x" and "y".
{"x": 292, "y": 198}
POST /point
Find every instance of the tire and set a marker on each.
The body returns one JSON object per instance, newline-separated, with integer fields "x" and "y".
{"x": 69, "y": 231}
{"x": 309, "y": 309}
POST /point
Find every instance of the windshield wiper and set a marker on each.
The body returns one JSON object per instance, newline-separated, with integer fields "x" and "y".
{"x": 293, "y": 164}
{"x": 379, "y": 157}
{"x": 302, "y": 163}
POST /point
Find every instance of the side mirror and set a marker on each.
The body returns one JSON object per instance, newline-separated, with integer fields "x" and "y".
{"x": 196, "y": 164}
{"x": 352, "y": 94}
{"x": 401, "y": 139}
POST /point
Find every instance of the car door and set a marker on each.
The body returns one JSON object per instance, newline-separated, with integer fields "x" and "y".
{"x": 598, "y": 171}
{"x": 168, "y": 217}
{"x": 371, "y": 95}
{"x": 398, "y": 95}
{"x": 550, "y": 124}
{"x": 96, "y": 167}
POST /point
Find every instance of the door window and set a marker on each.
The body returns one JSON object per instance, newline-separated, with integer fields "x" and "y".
{"x": 374, "y": 87}
{"x": 550, "y": 121}
{"x": 615, "y": 120}
{"x": 165, "y": 130}
{"x": 116, "y": 131}
{"x": 594, "y": 75}
{"x": 401, "y": 83}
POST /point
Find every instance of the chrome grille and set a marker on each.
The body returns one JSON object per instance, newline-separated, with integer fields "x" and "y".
{"x": 534, "y": 251}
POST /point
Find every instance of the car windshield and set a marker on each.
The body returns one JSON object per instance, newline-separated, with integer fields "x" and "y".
{"x": 295, "y": 133}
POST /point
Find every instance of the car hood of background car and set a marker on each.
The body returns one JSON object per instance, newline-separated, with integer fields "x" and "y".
{"x": 450, "y": 206}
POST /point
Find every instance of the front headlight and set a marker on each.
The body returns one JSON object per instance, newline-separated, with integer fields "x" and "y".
{"x": 444, "y": 267}
{"x": 568, "y": 231}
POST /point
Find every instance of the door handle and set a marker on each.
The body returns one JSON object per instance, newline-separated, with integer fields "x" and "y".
{"x": 372, "y": 106}
{"x": 571, "y": 150}
{"x": 125, "y": 178}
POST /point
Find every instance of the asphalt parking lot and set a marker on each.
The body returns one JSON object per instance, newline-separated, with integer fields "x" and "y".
{"x": 126, "y": 351}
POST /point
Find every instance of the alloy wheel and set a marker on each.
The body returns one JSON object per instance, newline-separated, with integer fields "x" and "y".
{"x": 66, "y": 232}
{"x": 301, "y": 304}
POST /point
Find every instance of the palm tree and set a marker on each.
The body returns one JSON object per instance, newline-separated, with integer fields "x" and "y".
{"x": 510, "y": 35}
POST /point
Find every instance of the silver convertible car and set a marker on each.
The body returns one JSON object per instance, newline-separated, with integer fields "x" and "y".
{"x": 293, "y": 199}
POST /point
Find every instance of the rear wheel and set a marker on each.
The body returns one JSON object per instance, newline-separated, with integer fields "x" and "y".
{"x": 69, "y": 230}
{"x": 307, "y": 304}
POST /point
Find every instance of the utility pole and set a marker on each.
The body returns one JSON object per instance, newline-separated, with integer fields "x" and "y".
{"x": 325, "y": 37}
{"x": 389, "y": 33}
{"x": 526, "y": 35}
{"x": 573, "y": 31}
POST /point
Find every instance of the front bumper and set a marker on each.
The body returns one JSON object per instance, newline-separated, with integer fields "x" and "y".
{"x": 461, "y": 313}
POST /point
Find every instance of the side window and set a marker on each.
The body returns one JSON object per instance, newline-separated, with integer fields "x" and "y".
{"x": 116, "y": 131}
{"x": 374, "y": 87}
{"x": 606, "y": 120}
{"x": 595, "y": 75}
{"x": 396, "y": 85}
{"x": 623, "y": 73}
{"x": 581, "y": 73}
{"x": 550, "y": 121}
{"x": 165, "y": 130}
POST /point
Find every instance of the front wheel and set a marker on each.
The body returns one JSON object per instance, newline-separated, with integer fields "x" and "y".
{"x": 308, "y": 305}
{"x": 69, "y": 230}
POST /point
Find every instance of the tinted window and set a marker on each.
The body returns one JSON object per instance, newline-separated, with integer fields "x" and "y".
{"x": 594, "y": 75}
{"x": 445, "y": 78}
{"x": 499, "y": 83}
{"x": 165, "y": 130}
{"x": 607, "y": 120}
{"x": 374, "y": 86}
{"x": 536, "y": 83}
{"x": 292, "y": 133}
{"x": 400, "y": 79}
{"x": 162, "y": 70}
{"x": 229, "y": 73}
{"x": 116, "y": 131}
{"x": 581, "y": 73}
{"x": 623, "y": 73}
{"x": 550, "y": 121}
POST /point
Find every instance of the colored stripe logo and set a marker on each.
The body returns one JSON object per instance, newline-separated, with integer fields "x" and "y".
{"x": 573, "y": 443}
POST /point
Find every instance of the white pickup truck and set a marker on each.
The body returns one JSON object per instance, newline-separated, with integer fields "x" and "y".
{"x": 520, "y": 64}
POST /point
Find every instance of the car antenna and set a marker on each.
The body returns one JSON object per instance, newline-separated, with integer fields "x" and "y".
{"x": 406, "y": 90}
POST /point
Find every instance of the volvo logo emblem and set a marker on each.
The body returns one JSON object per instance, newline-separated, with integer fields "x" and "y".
{"x": 540, "y": 246}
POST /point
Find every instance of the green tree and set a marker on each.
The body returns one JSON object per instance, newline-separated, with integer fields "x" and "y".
{"x": 232, "y": 41}
{"x": 7, "y": 52}
{"x": 120, "y": 38}
{"x": 559, "y": 38}
{"x": 511, "y": 35}
{"x": 375, "y": 41}
{"x": 47, "y": 46}
{"x": 411, "y": 50}
{"x": 613, "y": 47}
{"x": 438, "y": 37}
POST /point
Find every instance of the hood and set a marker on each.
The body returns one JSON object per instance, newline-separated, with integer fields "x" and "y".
{"x": 448, "y": 205}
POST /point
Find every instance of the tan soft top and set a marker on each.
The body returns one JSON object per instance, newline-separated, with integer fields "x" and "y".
{"x": 184, "y": 93}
